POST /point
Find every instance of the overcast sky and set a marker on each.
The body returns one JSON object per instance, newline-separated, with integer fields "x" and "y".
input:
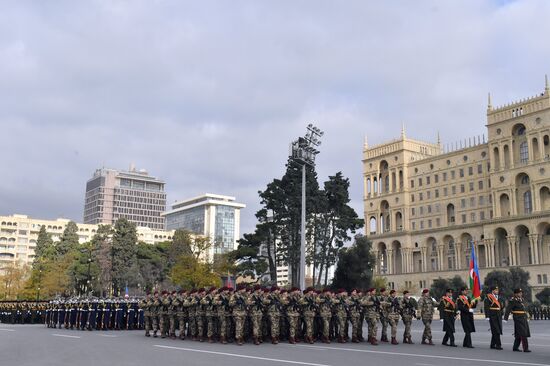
{"x": 207, "y": 94}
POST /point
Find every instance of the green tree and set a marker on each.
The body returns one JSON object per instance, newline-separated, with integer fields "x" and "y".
{"x": 544, "y": 296}
{"x": 181, "y": 245}
{"x": 69, "y": 239}
{"x": 509, "y": 280}
{"x": 153, "y": 264}
{"x": 44, "y": 245}
{"x": 84, "y": 270}
{"x": 440, "y": 285}
{"x": 355, "y": 265}
{"x": 282, "y": 199}
{"x": 189, "y": 272}
{"x": 123, "y": 256}
{"x": 102, "y": 246}
{"x": 333, "y": 220}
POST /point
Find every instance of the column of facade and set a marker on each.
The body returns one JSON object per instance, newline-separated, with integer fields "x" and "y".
{"x": 530, "y": 147}
{"x": 440, "y": 251}
{"x": 424, "y": 256}
{"x": 513, "y": 202}
{"x": 490, "y": 252}
{"x": 377, "y": 266}
{"x": 390, "y": 260}
{"x": 540, "y": 139}
{"x": 389, "y": 181}
{"x": 458, "y": 255}
{"x": 512, "y": 250}
{"x": 535, "y": 201}
{"x": 511, "y": 153}
{"x": 534, "y": 242}
{"x": 501, "y": 156}
{"x": 379, "y": 183}
{"x": 403, "y": 261}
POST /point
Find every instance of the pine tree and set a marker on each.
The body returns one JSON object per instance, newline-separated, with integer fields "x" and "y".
{"x": 69, "y": 240}
{"x": 123, "y": 254}
{"x": 44, "y": 245}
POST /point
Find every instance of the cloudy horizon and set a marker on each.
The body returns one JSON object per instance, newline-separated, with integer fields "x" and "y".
{"x": 208, "y": 95}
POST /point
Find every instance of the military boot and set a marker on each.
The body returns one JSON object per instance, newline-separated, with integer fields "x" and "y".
{"x": 410, "y": 340}
{"x": 393, "y": 340}
{"x": 291, "y": 340}
{"x": 384, "y": 338}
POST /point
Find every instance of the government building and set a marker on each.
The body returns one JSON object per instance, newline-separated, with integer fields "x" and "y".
{"x": 425, "y": 206}
{"x": 134, "y": 195}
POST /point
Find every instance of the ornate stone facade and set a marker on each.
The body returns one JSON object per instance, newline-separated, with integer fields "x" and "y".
{"x": 425, "y": 206}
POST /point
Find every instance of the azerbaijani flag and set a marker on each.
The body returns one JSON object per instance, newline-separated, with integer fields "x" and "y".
{"x": 475, "y": 281}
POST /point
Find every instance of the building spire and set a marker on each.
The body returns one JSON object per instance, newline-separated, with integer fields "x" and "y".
{"x": 438, "y": 139}
{"x": 366, "y": 143}
{"x": 403, "y": 131}
{"x": 546, "y": 85}
{"x": 489, "y": 103}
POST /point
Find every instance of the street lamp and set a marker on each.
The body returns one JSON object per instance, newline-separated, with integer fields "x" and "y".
{"x": 303, "y": 152}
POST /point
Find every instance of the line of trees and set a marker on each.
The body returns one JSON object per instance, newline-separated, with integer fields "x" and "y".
{"x": 111, "y": 262}
{"x": 276, "y": 239}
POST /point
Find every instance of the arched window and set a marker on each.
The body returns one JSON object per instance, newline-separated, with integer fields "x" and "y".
{"x": 450, "y": 213}
{"x": 523, "y": 152}
{"x": 528, "y": 208}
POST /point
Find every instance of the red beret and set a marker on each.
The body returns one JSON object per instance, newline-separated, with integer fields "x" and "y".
{"x": 425, "y": 291}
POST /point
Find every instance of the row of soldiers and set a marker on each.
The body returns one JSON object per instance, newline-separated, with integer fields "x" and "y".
{"x": 22, "y": 312}
{"x": 539, "y": 312}
{"x": 276, "y": 314}
{"x": 94, "y": 314}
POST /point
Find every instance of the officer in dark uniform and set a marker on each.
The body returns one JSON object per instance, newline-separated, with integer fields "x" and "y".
{"x": 466, "y": 307}
{"x": 493, "y": 306}
{"x": 447, "y": 312}
{"x": 516, "y": 306}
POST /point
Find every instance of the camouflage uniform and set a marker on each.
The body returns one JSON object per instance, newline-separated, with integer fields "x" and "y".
{"x": 426, "y": 307}
{"x": 273, "y": 302}
{"x": 370, "y": 305}
{"x": 255, "y": 304}
{"x": 394, "y": 310}
{"x": 164, "y": 315}
{"x": 200, "y": 311}
{"x": 354, "y": 304}
{"x": 145, "y": 305}
{"x": 173, "y": 313}
{"x": 182, "y": 314}
{"x": 222, "y": 304}
{"x": 292, "y": 304}
{"x": 341, "y": 310}
{"x": 155, "y": 311}
{"x": 384, "y": 314}
{"x": 408, "y": 313}
{"x": 309, "y": 309}
{"x": 325, "y": 311}
{"x": 238, "y": 303}
{"x": 211, "y": 314}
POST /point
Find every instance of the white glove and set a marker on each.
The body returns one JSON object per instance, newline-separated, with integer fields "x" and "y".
{"x": 472, "y": 311}
{"x": 434, "y": 299}
{"x": 441, "y": 320}
{"x": 505, "y": 321}
{"x": 487, "y": 319}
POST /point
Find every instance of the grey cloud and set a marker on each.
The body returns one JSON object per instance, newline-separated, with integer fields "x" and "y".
{"x": 207, "y": 95}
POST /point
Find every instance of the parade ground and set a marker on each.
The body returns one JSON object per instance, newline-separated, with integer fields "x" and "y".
{"x": 26, "y": 345}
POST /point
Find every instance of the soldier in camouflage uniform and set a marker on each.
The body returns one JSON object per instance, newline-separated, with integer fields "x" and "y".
{"x": 273, "y": 303}
{"x": 222, "y": 304}
{"x": 394, "y": 312}
{"x": 324, "y": 302}
{"x": 408, "y": 313}
{"x": 211, "y": 313}
{"x": 292, "y": 305}
{"x": 164, "y": 314}
{"x": 384, "y": 313}
{"x": 354, "y": 304}
{"x": 191, "y": 305}
{"x": 172, "y": 314}
{"x": 371, "y": 305}
{"x": 155, "y": 312}
{"x": 238, "y": 303}
{"x": 145, "y": 305}
{"x": 182, "y": 313}
{"x": 426, "y": 306}
{"x": 340, "y": 305}
{"x": 256, "y": 307}
{"x": 200, "y": 312}
{"x": 309, "y": 309}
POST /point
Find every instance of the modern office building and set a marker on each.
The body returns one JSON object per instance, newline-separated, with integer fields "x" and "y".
{"x": 425, "y": 206}
{"x": 134, "y": 195}
{"x": 18, "y": 235}
{"x": 211, "y": 215}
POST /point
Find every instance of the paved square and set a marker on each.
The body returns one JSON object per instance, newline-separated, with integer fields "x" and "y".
{"x": 34, "y": 345}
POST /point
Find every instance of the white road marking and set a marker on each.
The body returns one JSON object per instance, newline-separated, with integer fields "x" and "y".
{"x": 426, "y": 356}
{"x": 64, "y": 335}
{"x": 107, "y": 335}
{"x": 424, "y": 364}
{"x": 7, "y": 330}
{"x": 241, "y": 356}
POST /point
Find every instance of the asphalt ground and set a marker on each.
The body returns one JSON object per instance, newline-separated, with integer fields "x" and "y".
{"x": 34, "y": 345}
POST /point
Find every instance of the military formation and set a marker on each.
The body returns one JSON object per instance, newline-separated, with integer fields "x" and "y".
{"x": 23, "y": 312}
{"x": 94, "y": 314}
{"x": 258, "y": 314}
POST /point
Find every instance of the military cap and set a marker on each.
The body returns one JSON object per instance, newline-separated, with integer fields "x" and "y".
{"x": 406, "y": 292}
{"x": 156, "y": 292}
{"x": 383, "y": 289}
{"x": 342, "y": 291}
{"x": 174, "y": 292}
{"x": 392, "y": 291}
{"x": 325, "y": 290}
{"x": 257, "y": 287}
{"x": 266, "y": 290}
{"x": 164, "y": 292}
{"x": 448, "y": 290}
{"x": 309, "y": 289}
{"x": 425, "y": 291}
{"x": 463, "y": 289}
{"x": 294, "y": 289}
{"x": 213, "y": 288}
{"x": 371, "y": 289}
{"x": 284, "y": 291}
{"x": 274, "y": 288}
{"x": 517, "y": 291}
{"x": 493, "y": 288}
